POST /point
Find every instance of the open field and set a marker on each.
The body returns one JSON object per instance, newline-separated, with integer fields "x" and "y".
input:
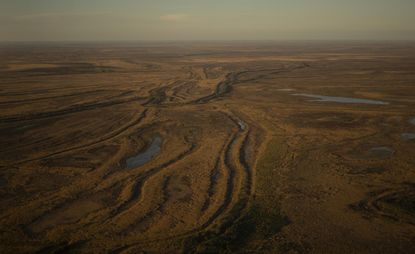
{"x": 207, "y": 148}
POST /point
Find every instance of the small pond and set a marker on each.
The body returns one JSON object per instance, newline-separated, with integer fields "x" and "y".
{"x": 145, "y": 156}
{"x": 323, "y": 98}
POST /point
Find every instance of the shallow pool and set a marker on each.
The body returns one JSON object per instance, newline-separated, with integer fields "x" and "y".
{"x": 143, "y": 157}
{"x": 408, "y": 136}
{"x": 323, "y": 98}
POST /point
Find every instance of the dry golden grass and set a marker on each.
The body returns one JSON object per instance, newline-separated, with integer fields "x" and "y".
{"x": 244, "y": 165}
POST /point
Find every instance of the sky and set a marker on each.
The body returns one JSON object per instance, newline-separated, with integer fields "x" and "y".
{"x": 149, "y": 20}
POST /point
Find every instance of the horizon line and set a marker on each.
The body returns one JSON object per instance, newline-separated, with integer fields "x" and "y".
{"x": 206, "y": 40}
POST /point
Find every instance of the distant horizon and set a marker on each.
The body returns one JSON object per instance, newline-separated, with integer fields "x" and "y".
{"x": 209, "y": 40}
{"x": 196, "y": 20}
{"x": 219, "y": 40}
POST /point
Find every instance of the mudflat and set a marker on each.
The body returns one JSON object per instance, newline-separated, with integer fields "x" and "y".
{"x": 207, "y": 147}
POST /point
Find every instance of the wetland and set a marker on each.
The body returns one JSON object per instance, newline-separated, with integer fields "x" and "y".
{"x": 262, "y": 147}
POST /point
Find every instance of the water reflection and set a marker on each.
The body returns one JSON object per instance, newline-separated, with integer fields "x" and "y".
{"x": 142, "y": 158}
{"x": 408, "y": 136}
{"x": 323, "y": 98}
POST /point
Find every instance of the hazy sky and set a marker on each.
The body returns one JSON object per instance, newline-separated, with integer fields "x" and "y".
{"x": 46, "y": 20}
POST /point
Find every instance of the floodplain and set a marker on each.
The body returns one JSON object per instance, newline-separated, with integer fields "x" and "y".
{"x": 207, "y": 147}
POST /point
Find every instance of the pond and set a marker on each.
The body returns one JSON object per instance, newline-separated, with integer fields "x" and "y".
{"x": 145, "y": 156}
{"x": 408, "y": 136}
{"x": 323, "y": 98}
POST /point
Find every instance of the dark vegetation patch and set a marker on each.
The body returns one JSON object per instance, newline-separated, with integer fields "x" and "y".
{"x": 397, "y": 205}
{"x": 261, "y": 220}
{"x": 65, "y": 247}
{"x": 68, "y": 69}
{"x": 237, "y": 232}
{"x": 368, "y": 170}
{"x": 327, "y": 120}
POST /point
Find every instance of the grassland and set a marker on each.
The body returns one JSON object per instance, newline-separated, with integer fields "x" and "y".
{"x": 232, "y": 149}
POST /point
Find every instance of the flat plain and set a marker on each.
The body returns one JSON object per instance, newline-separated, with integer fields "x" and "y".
{"x": 233, "y": 147}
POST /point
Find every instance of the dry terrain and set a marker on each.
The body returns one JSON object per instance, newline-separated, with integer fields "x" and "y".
{"x": 207, "y": 148}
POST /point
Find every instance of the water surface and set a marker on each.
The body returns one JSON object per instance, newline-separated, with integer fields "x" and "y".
{"x": 143, "y": 157}
{"x": 242, "y": 125}
{"x": 408, "y": 136}
{"x": 323, "y": 98}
